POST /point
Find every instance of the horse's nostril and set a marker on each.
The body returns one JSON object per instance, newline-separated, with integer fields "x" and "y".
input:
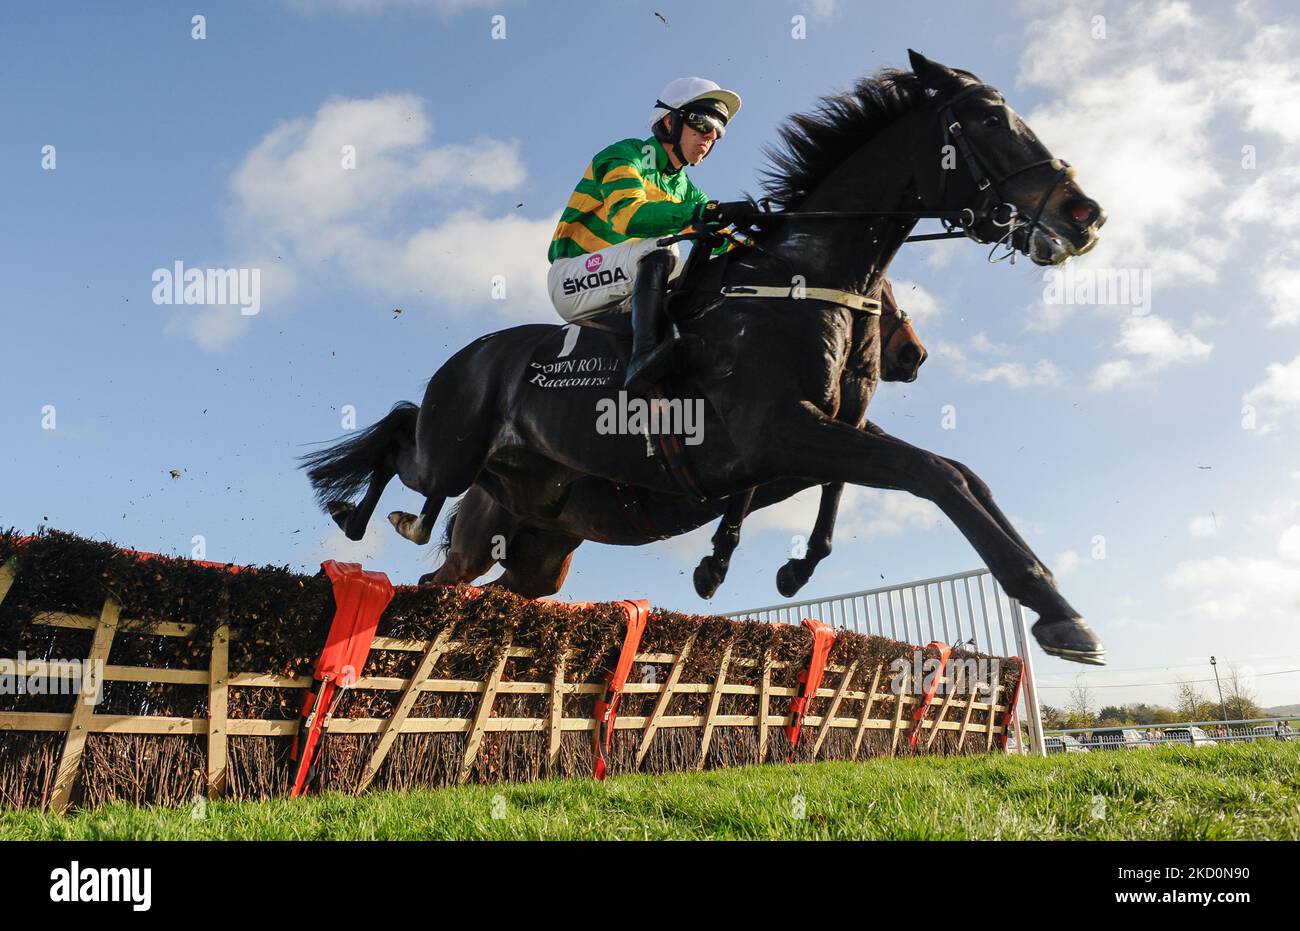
{"x": 1085, "y": 212}
{"x": 910, "y": 356}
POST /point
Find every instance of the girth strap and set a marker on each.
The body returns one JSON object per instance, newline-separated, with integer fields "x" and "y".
{"x": 847, "y": 299}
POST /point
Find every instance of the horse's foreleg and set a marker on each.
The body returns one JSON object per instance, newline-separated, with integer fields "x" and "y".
{"x": 712, "y": 570}
{"x": 537, "y": 562}
{"x": 418, "y": 528}
{"x": 796, "y": 572}
{"x": 978, "y": 489}
{"x": 819, "y": 449}
{"x": 479, "y": 536}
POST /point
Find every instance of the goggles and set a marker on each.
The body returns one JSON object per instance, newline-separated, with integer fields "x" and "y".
{"x": 706, "y": 119}
{"x": 705, "y": 122}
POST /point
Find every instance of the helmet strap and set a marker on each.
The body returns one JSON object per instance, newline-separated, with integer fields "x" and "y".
{"x": 677, "y": 120}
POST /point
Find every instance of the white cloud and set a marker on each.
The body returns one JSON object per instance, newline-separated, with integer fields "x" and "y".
{"x": 1111, "y": 133}
{"x": 296, "y": 199}
{"x": 1222, "y": 588}
{"x": 1066, "y": 563}
{"x": 213, "y": 327}
{"x": 1261, "y": 203}
{"x": 1288, "y": 545}
{"x": 1203, "y": 525}
{"x": 1280, "y": 284}
{"x": 1155, "y": 345}
{"x": 981, "y": 343}
{"x": 1280, "y": 511}
{"x": 366, "y": 550}
{"x": 1264, "y": 590}
{"x": 918, "y": 301}
{"x": 1043, "y": 317}
{"x": 1155, "y": 338}
{"x": 1280, "y": 389}
{"x": 1142, "y": 112}
{"x": 864, "y": 513}
{"x": 1042, "y": 374}
{"x": 295, "y": 178}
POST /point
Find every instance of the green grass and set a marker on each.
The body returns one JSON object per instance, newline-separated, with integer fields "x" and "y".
{"x": 1249, "y": 791}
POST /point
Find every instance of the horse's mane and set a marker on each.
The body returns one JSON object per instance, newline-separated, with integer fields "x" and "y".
{"x": 815, "y": 144}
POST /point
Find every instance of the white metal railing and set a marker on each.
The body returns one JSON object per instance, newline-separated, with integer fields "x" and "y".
{"x": 966, "y": 609}
{"x": 1111, "y": 736}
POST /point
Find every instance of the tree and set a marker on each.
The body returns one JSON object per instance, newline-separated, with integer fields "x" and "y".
{"x": 1114, "y": 714}
{"x": 1080, "y": 707}
{"x": 1053, "y": 717}
{"x": 1239, "y": 695}
{"x": 1189, "y": 701}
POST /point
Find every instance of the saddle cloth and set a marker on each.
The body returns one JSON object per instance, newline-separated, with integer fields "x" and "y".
{"x": 577, "y": 357}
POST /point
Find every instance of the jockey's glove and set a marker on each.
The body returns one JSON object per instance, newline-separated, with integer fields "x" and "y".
{"x": 725, "y": 213}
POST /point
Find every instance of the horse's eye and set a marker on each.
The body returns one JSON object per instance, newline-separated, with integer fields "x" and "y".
{"x": 992, "y": 120}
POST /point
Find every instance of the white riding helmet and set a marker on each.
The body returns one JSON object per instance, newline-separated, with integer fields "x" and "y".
{"x": 682, "y": 92}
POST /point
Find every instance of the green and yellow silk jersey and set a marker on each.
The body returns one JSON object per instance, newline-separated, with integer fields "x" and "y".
{"x": 626, "y": 193}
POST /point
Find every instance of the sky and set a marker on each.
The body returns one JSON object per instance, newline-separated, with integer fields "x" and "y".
{"x": 1145, "y": 447}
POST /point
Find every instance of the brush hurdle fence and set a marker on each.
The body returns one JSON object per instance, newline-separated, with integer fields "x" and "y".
{"x": 941, "y": 608}
{"x": 224, "y": 681}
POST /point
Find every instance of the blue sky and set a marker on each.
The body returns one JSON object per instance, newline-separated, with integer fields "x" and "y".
{"x": 1166, "y": 437}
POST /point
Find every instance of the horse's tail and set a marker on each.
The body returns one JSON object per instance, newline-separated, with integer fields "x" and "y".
{"x": 341, "y": 471}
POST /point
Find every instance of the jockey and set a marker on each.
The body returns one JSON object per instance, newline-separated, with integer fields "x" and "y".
{"x": 633, "y": 192}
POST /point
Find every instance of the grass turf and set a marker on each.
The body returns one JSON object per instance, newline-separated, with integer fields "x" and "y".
{"x": 1249, "y": 791}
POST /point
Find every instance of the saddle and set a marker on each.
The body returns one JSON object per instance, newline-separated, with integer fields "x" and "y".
{"x": 594, "y": 353}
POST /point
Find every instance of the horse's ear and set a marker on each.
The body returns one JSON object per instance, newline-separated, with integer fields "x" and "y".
{"x": 932, "y": 74}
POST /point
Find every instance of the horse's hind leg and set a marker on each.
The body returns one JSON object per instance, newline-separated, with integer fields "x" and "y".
{"x": 365, "y": 460}
{"x": 451, "y": 441}
{"x": 537, "y": 562}
{"x": 712, "y": 570}
{"x": 795, "y": 573}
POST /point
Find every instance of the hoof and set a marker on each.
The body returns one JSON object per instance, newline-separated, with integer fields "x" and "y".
{"x": 1071, "y": 639}
{"x": 409, "y": 526}
{"x": 706, "y": 581}
{"x": 788, "y": 582}
{"x": 342, "y": 512}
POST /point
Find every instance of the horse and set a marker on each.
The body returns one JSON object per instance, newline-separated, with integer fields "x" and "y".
{"x": 478, "y": 534}
{"x": 771, "y": 329}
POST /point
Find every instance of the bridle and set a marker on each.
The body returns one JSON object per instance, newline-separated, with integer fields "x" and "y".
{"x": 989, "y": 186}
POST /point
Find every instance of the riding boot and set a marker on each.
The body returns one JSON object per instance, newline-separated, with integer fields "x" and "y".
{"x": 653, "y": 337}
